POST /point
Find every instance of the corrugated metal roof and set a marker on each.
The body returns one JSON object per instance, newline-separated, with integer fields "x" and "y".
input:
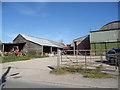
{"x": 40, "y": 41}
{"x": 56, "y": 43}
{"x": 111, "y": 25}
{"x": 80, "y": 39}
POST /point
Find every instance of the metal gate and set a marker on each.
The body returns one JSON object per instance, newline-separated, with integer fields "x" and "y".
{"x": 87, "y": 59}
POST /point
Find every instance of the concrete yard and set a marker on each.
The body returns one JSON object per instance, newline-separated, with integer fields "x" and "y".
{"x": 36, "y": 71}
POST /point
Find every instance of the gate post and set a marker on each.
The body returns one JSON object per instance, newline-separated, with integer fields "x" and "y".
{"x": 59, "y": 59}
{"x": 119, "y": 72}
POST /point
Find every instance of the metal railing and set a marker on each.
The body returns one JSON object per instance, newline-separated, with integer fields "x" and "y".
{"x": 87, "y": 60}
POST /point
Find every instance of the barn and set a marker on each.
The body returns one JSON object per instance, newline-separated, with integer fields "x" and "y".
{"x": 33, "y": 45}
{"x": 0, "y": 46}
{"x": 106, "y": 38}
{"x": 82, "y": 43}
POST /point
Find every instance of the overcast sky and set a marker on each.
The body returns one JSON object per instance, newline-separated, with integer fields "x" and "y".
{"x": 55, "y": 20}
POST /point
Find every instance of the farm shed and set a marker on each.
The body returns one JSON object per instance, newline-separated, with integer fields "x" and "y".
{"x": 82, "y": 43}
{"x": 107, "y": 37}
{"x": 37, "y": 46}
{"x": 0, "y": 46}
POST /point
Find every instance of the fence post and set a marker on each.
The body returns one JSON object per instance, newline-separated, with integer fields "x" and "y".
{"x": 59, "y": 59}
{"x": 90, "y": 55}
{"x": 119, "y": 72}
{"x": 85, "y": 61}
{"x": 77, "y": 57}
{"x": 101, "y": 58}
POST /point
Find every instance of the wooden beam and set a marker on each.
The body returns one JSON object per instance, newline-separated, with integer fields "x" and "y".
{"x": 42, "y": 51}
{"x": 74, "y": 48}
{"x": 50, "y": 49}
{"x": 3, "y": 48}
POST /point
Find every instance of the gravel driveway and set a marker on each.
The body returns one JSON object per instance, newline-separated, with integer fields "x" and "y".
{"x": 36, "y": 70}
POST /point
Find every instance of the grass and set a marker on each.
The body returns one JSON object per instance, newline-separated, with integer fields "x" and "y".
{"x": 14, "y": 58}
{"x": 99, "y": 67}
{"x": 59, "y": 71}
{"x": 66, "y": 70}
{"x": 89, "y": 73}
{"x": 96, "y": 74}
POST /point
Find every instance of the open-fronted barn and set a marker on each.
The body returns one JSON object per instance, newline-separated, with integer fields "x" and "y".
{"x": 107, "y": 37}
{"x": 33, "y": 45}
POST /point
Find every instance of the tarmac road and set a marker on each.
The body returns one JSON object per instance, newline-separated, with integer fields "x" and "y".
{"x": 26, "y": 84}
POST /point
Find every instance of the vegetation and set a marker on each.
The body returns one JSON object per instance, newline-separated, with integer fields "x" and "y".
{"x": 59, "y": 71}
{"x": 88, "y": 73}
{"x": 98, "y": 68}
{"x": 97, "y": 74}
{"x": 21, "y": 58}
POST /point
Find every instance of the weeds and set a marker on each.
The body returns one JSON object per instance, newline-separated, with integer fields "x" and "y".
{"x": 88, "y": 73}
{"x": 99, "y": 67}
{"x": 97, "y": 74}
{"x": 59, "y": 71}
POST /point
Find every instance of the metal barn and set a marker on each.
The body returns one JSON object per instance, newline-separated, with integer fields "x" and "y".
{"x": 106, "y": 38}
{"x": 0, "y": 46}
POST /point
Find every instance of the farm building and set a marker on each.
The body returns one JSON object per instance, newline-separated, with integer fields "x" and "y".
{"x": 0, "y": 46}
{"x": 68, "y": 48}
{"x": 107, "y": 37}
{"x": 32, "y": 45}
{"x": 82, "y": 43}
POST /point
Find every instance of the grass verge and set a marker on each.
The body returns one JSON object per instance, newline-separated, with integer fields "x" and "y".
{"x": 89, "y": 73}
{"x": 59, "y": 71}
{"x": 97, "y": 74}
{"x": 14, "y": 58}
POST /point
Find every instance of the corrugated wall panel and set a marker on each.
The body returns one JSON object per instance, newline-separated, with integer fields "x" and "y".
{"x": 104, "y": 36}
{"x": 119, "y": 35}
{"x": 103, "y": 46}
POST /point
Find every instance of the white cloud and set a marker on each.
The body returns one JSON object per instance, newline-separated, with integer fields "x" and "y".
{"x": 36, "y": 9}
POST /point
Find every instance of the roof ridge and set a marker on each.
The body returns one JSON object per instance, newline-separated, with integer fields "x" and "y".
{"x": 81, "y": 37}
{"x": 39, "y": 38}
{"x": 33, "y": 36}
